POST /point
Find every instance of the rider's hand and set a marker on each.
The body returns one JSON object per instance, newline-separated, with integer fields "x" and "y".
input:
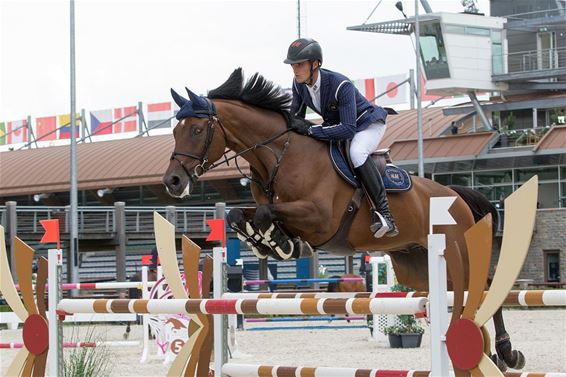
{"x": 301, "y": 125}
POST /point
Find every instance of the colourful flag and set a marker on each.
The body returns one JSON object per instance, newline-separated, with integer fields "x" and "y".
{"x": 216, "y": 231}
{"x": 130, "y": 121}
{"x": 397, "y": 94}
{"x": 100, "y": 122}
{"x": 2, "y": 133}
{"x": 17, "y": 131}
{"x": 46, "y": 128}
{"x": 158, "y": 115}
{"x": 51, "y": 231}
{"x": 366, "y": 87}
{"x": 65, "y": 126}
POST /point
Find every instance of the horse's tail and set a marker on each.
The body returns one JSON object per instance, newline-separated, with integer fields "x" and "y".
{"x": 478, "y": 204}
{"x": 333, "y": 285}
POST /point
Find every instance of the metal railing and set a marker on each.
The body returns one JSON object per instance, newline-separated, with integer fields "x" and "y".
{"x": 103, "y": 219}
{"x": 521, "y": 137}
{"x": 534, "y": 60}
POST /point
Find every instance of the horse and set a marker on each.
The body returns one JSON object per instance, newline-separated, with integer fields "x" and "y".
{"x": 301, "y": 200}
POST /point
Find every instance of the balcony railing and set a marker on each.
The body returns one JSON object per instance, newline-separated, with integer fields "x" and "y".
{"x": 521, "y": 137}
{"x": 535, "y": 60}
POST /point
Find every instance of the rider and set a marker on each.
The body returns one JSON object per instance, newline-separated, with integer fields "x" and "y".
{"x": 346, "y": 114}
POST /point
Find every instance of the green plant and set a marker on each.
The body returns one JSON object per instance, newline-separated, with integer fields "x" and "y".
{"x": 407, "y": 322}
{"x": 509, "y": 121}
{"x": 87, "y": 361}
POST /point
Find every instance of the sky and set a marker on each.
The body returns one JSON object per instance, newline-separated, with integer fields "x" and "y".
{"x": 129, "y": 51}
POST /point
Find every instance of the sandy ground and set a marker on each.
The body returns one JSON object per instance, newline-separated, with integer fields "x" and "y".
{"x": 540, "y": 334}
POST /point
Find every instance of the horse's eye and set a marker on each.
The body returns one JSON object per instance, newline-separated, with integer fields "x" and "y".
{"x": 197, "y": 130}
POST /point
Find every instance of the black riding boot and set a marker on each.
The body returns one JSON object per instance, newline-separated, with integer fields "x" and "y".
{"x": 382, "y": 221}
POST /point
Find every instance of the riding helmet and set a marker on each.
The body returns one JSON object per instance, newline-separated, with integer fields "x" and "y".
{"x": 303, "y": 49}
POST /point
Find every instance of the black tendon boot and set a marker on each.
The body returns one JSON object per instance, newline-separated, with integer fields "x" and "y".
{"x": 382, "y": 221}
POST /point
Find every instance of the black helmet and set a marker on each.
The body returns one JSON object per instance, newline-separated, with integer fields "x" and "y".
{"x": 303, "y": 49}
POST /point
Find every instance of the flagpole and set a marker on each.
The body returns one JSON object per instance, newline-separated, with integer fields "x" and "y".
{"x": 73, "y": 232}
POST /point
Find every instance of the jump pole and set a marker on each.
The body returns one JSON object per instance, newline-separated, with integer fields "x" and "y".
{"x": 55, "y": 355}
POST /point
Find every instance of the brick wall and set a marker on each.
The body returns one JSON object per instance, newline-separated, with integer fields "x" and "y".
{"x": 549, "y": 234}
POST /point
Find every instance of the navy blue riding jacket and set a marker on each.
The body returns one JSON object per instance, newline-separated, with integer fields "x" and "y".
{"x": 343, "y": 108}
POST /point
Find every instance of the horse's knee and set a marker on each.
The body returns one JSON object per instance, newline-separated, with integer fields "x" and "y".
{"x": 263, "y": 218}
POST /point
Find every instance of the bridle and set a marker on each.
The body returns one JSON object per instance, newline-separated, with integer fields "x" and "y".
{"x": 205, "y": 166}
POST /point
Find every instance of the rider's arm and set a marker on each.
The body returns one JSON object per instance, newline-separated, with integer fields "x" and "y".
{"x": 346, "y": 129}
{"x": 298, "y": 107}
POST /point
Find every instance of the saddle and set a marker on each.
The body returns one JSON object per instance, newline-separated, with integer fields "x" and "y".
{"x": 394, "y": 178}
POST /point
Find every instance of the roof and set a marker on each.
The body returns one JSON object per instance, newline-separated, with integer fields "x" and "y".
{"x": 403, "y": 125}
{"x": 143, "y": 160}
{"x": 465, "y": 145}
{"x": 553, "y": 139}
{"x": 116, "y": 163}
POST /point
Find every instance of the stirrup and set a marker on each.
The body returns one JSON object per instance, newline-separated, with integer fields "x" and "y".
{"x": 380, "y": 227}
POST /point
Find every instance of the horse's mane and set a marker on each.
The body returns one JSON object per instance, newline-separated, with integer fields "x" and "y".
{"x": 257, "y": 91}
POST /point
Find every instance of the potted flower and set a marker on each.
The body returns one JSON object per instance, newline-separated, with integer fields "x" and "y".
{"x": 407, "y": 333}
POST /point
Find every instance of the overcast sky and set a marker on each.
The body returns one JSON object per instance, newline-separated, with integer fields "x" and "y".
{"x": 129, "y": 51}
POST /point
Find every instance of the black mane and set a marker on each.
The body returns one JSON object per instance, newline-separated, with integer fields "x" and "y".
{"x": 257, "y": 92}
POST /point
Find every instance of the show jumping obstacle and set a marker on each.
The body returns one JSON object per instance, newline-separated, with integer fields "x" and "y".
{"x": 466, "y": 340}
{"x": 301, "y": 281}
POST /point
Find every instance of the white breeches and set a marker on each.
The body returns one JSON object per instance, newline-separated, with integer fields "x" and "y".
{"x": 365, "y": 143}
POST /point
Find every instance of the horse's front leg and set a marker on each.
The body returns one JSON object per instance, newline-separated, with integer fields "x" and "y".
{"x": 240, "y": 220}
{"x": 274, "y": 220}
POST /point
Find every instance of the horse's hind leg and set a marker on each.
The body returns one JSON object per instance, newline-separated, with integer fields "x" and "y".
{"x": 248, "y": 233}
{"x": 513, "y": 358}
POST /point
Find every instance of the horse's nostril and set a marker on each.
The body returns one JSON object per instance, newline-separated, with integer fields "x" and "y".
{"x": 172, "y": 180}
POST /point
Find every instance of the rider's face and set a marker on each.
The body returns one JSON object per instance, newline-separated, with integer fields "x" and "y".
{"x": 302, "y": 70}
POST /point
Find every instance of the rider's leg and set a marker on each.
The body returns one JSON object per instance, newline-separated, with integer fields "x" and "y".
{"x": 363, "y": 144}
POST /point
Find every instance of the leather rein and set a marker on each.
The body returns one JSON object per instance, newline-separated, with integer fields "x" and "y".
{"x": 205, "y": 166}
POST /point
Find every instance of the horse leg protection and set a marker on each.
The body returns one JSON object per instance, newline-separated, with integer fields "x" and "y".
{"x": 513, "y": 358}
{"x": 247, "y": 233}
{"x": 276, "y": 238}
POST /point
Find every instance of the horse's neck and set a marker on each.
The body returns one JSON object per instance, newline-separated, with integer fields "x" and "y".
{"x": 247, "y": 127}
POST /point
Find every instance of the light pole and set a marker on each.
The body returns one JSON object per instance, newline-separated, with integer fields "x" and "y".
{"x": 399, "y": 5}
{"x": 73, "y": 232}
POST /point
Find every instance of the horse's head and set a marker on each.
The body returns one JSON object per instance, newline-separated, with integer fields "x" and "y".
{"x": 196, "y": 143}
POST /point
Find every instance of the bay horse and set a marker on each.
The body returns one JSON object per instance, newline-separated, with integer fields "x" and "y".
{"x": 300, "y": 198}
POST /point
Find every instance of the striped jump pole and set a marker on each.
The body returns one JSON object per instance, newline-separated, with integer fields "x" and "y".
{"x": 104, "y": 285}
{"x": 308, "y": 306}
{"x": 133, "y": 343}
{"x": 301, "y": 281}
{"x": 250, "y": 370}
{"x": 526, "y": 298}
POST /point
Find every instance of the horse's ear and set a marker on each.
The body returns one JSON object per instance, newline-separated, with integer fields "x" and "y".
{"x": 196, "y": 99}
{"x": 179, "y": 100}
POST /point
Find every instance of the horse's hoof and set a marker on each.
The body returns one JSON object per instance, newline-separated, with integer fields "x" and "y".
{"x": 499, "y": 362}
{"x": 284, "y": 251}
{"x": 519, "y": 360}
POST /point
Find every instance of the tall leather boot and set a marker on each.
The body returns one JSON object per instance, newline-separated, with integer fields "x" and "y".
{"x": 382, "y": 221}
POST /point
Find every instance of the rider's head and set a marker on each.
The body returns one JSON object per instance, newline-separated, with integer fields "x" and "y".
{"x": 305, "y": 57}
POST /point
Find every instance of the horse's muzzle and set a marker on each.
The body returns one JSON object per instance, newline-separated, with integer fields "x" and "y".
{"x": 177, "y": 186}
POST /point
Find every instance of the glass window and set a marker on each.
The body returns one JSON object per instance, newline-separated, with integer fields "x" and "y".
{"x": 496, "y": 36}
{"x": 483, "y": 178}
{"x": 497, "y": 66}
{"x": 443, "y": 179}
{"x": 523, "y": 175}
{"x": 495, "y": 193}
{"x": 477, "y": 31}
{"x": 464, "y": 179}
{"x": 456, "y": 29}
{"x": 433, "y": 52}
{"x": 563, "y": 175}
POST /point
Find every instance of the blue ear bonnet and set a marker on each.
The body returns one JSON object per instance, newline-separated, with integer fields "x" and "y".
{"x": 195, "y": 107}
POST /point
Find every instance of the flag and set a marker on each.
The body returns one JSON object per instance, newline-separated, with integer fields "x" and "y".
{"x": 158, "y": 115}
{"x": 216, "y": 231}
{"x": 65, "y": 126}
{"x": 366, "y": 87}
{"x": 2, "y": 133}
{"x": 396, "y": 96}
{"x": 51, "y": 231}
{"x": 100, "y": 122}
{"x": 439, "y": 214}
{"x": 424, "y": 96}
{"x": 17, "y": 131}
{"x": 45, "y": 128}
{"x": 129, "y": 123}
